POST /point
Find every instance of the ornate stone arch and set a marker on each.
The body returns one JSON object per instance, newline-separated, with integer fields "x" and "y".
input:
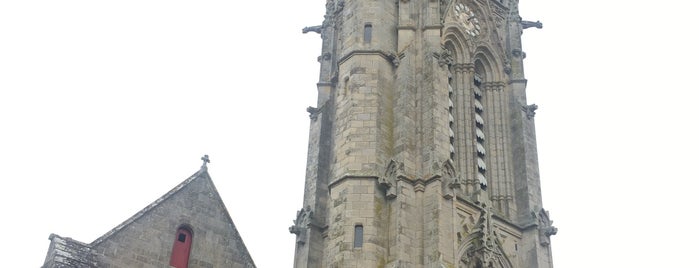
{"x": 473, "y": 253}
{"x": 455, "y": 34}
{"x": 464, "y": 49}
{"x": 457, "y": 44}
{"x": 491, "y": 64}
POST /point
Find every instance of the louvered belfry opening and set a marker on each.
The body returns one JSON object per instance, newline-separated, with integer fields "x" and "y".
{"x": 479, "y": 123}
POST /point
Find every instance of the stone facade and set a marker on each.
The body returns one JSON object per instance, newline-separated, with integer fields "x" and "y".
{"x": 422, "y": 149}
{"x": 146, "y": 239}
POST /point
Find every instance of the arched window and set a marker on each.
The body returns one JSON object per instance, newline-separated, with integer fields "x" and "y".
{"x": 181, "y": 248}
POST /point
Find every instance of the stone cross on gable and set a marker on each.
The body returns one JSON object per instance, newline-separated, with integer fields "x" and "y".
{"x": 205, "y": 158}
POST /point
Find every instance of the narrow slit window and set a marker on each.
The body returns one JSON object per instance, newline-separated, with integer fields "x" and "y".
{"x": 358, "y": 236}
{"x": 367, "y": 33}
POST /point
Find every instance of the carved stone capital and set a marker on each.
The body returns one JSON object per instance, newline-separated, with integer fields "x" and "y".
{"x": 493, "y": 86}
{"x": 464, "y": 67}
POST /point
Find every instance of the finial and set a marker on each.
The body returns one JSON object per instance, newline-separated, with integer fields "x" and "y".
{"x": 205, "y": 158}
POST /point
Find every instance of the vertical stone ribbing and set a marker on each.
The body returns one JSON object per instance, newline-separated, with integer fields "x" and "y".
{"x": 421, "y": 104}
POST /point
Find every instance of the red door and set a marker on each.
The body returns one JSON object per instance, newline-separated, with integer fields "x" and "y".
{"x": 180, "y": 249}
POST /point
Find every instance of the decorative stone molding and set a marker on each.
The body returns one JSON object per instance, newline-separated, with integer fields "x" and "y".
{"x": 388, "y": 56}
{"x": 301, "y": 224}
{"x": 546, "y": 228}
{"x": 389, "y": 181}
{"x": 444, "y": 57}
{"x": 480, "y": 248}
{"x": 493, "y": 86}
{"x": 395, "y": 58}
{"x": 464, "y": 67}
{"x": 499, "y": 10}
{"x": 419, "y": 186}
{"x": 449, "y": 179}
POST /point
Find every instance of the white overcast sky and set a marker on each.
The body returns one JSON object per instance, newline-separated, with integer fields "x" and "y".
{"x": 107, "y": 105}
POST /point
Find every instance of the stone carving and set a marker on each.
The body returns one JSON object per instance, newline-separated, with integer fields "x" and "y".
{"x": 514, "y": 11}
{"x": 301, "y": 223}
{"x": 206, "y": 160}
{"x": 517, "y": 53}
{"x": 546, "y": 228}
{"x": 325, "y": 56}
{"x": 443, "y": 4}
{"x": 313, "y": 112}
{"x": 444, "y": 57}
{"x": 315, "y": 29}
{"x": 331, "y": 10}
{"x": 464, "y": 231}
{"x": 481, "y": 248}
{"x": 499, "y": 10}
{"x": 389, "y": 181}
{"x": 530, "y": 110}
{"x": 507, "y": 66}
{"x": 449, "y": 179}
{"x": 528, "y": 24}
{"x": 395, "y": 59}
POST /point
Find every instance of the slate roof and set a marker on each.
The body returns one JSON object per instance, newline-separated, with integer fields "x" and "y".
{"x": 66, "y": 252}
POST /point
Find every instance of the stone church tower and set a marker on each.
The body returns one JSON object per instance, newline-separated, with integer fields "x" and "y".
{"x": 422, "y": 150}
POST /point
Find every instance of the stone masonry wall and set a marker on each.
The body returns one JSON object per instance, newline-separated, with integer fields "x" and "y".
{"x": 148, "y": 240}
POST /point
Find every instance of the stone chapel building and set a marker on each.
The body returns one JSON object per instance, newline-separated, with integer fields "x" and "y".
{"x": 187, "y": 227}
{"x": 422, "y": 153}
{"x": 422, "y": 145}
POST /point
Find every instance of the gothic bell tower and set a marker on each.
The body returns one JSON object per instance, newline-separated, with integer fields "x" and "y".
{"x": 422, "y": 150}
